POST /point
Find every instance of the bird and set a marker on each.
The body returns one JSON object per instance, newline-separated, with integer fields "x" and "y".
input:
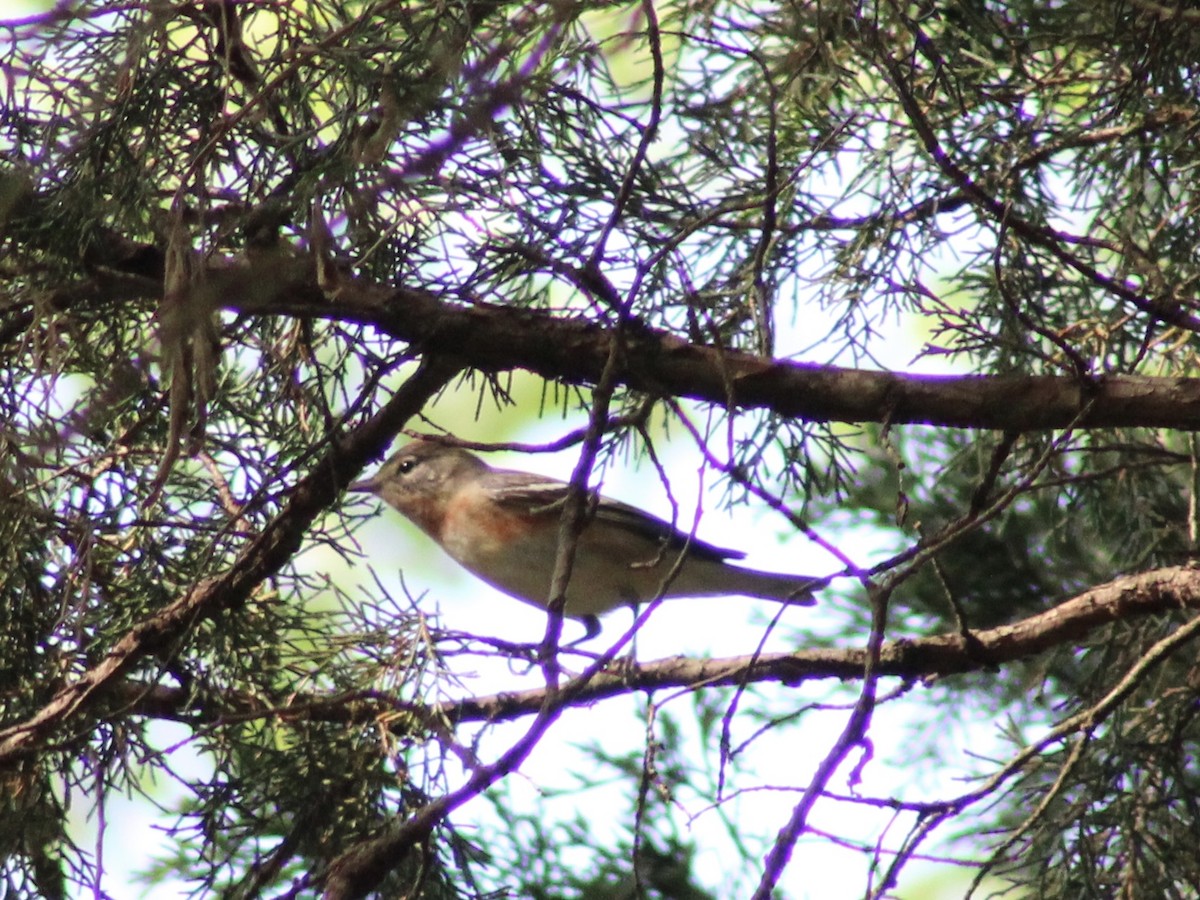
{"x": 502, "y": 525}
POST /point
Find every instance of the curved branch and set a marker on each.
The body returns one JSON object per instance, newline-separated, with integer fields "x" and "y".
{"x": 1130, "y": 596}
{"x": 575, "y": 350}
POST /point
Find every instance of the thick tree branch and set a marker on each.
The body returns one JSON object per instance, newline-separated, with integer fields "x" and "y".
{"x": 1125, "y": 598}
{"x": 575, "y": 350}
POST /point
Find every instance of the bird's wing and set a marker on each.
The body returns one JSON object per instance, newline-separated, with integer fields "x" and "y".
{"x": 660, "y": 530}
{"x": 527, "y": 493}
{"x": 524, "y": 492}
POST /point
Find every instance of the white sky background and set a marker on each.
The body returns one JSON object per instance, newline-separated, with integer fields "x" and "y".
{"x": 713, "y": 627}
{"x": 709, "y": 627}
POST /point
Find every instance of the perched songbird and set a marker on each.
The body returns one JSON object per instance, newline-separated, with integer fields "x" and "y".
{"x": 502, "y": 525}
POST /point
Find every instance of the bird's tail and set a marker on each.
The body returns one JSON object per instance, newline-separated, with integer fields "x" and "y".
{"x": 794, "y": 589}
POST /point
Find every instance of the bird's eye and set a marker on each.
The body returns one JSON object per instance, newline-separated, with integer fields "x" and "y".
{"x": 407, "y": 466}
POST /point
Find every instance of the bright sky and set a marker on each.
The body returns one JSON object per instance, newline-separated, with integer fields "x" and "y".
{"x": 713, "y": 627}
{"x": 710, "y": 627}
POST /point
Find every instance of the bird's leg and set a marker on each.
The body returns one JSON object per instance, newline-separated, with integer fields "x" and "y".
{"x": 592, "y": 626}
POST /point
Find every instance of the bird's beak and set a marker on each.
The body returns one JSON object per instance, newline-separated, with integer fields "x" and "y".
{"x": 366, "y": 486}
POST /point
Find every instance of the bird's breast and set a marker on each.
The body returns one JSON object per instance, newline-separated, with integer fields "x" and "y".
{"x": 479, "y": 533}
